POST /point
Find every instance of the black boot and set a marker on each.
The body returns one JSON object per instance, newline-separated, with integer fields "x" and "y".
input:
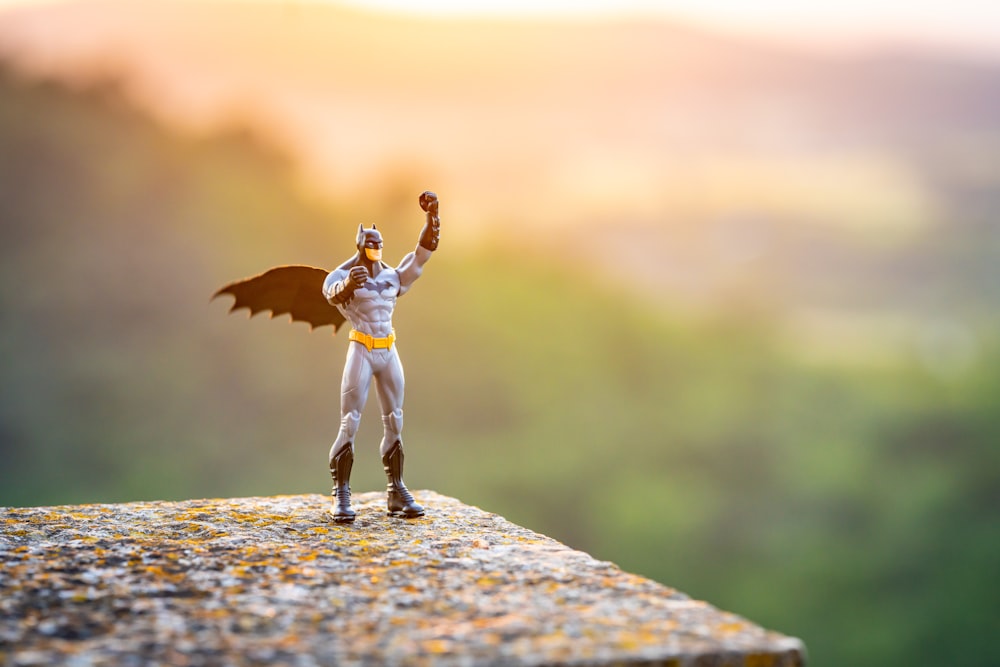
{"x": 399, "y": 500}
{"x": 340, "y": 470}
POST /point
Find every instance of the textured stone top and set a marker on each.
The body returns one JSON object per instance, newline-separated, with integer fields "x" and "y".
{"x": 274, "y": 580}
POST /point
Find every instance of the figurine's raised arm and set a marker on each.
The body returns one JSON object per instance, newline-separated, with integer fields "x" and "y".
{"x": 412, "y": 265}
{"x": 432, "y": 228}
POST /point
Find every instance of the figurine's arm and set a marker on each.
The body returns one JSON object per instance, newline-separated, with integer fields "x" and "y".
{"x": 339, "y": 286}
{"x": 413, "y": 264}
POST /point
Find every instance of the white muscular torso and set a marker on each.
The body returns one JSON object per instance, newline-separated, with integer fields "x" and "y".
{"x": 370, "y": 308}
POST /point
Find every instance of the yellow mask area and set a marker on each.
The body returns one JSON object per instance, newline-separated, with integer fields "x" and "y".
{"x": 373, "y": 254}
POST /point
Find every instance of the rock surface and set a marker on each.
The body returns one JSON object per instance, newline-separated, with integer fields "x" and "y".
{"x": 274, "y": 581}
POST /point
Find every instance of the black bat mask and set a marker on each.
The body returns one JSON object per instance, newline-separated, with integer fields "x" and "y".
{"x": 367, "y": 235}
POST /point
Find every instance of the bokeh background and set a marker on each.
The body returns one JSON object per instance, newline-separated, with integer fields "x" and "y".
{"x": 717, "y": 305}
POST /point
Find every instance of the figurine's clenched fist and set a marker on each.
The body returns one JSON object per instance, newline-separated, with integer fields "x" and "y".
{"x": 429, "y": 202}
{"x": 358, "y": 275}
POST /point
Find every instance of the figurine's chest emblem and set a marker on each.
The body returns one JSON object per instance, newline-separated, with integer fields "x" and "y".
{"x": 385, "y": 288}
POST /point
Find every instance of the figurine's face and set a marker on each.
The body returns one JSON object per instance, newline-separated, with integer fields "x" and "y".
{"x": 371, "y": 242}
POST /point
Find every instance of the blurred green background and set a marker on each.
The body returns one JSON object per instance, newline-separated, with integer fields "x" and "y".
{"x": 833, "y": 478}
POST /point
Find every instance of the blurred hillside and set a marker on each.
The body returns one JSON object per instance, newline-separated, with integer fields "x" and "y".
{"x": 853, "y": 505}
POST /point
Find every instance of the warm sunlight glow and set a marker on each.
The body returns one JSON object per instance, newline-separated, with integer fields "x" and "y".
{"x": 968, "y": 25}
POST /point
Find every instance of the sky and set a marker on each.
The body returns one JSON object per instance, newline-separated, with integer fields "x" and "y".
{"x": 969, "y": 27}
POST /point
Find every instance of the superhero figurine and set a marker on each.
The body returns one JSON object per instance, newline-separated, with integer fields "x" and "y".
{"x": 362, "y": 290}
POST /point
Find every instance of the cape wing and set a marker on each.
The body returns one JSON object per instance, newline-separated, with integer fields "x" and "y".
{"x": 296, "y": 290}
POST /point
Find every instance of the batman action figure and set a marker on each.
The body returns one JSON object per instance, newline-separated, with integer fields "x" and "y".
{"x": 362, "y": 290}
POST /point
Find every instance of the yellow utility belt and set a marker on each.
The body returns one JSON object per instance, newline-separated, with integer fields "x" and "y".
{"x": 371, "y": 342}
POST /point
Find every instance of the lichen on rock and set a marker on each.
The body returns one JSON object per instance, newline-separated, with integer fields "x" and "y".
{"x": 274, "y": 580}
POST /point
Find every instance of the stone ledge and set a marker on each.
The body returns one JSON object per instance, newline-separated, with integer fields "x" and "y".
{"x": 272, "y": 580}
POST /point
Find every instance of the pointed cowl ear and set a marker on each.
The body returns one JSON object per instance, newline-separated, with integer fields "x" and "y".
{"x": 361, "y": 235}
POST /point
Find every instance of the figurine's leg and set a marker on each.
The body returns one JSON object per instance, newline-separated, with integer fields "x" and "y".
{"x": 389, "y": 386}
{"x": 353, "y": 395}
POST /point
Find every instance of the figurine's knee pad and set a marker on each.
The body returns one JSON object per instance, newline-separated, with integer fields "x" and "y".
{"x": 348, "y": 428}
{"x": 349, "y": 424}
{"x": 393, "y": 423}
